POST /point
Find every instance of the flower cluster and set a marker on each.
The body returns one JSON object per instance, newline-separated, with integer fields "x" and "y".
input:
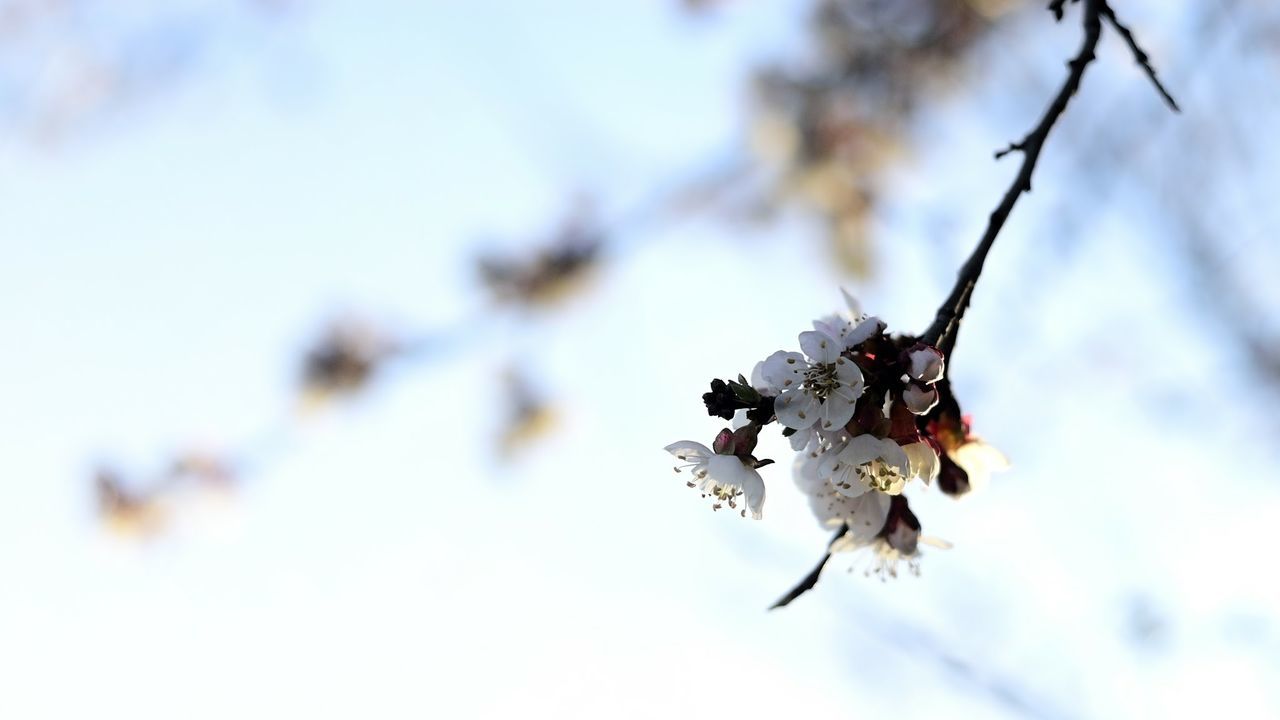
{"x": 868, "y": 414}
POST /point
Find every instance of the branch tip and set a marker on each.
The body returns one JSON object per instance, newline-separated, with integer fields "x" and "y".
{"x": 1139, "y": 55}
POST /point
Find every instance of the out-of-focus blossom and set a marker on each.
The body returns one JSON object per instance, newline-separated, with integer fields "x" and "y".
{"x": 968, "y": 461}
{"x": 124, "y": 510}
{"x": 529, "y": 417}
{"x": 344, "y": 359}
{"x": 548, "y": 275}
{"x": 827, "y": 128}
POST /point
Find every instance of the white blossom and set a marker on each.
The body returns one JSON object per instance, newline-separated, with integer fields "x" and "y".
{"x": 817, "y": 388}
{"x": 884, "y": 556}
{"x": 924, "y": 461}
{"x": 979, "y": 460}
{"x": 852, "y": 328}
{"x": 864, "y": 515}
{"x": 724, "y": 478}
{"x": 867, "y": 463}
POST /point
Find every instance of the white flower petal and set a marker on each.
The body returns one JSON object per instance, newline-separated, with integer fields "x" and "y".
{"x": 824, "y": 505}
{"x": 753, "y": 493}
{"x": 829, "y": 462}
{"x": 847, "y": 482}
{"x": 924, "y": 461}
{"x": 866, "y": 515}
{"x": 796, "y": 409}
{"x": 782, "y": 371}
{"x": 835, "y": 412}
{"x": 979, "y": 460}
{"x": 758, "y": 382}
{"x": 893, "y": 454}
{"x": 804, "y": 440}
{"x": 863, "y": 449}
{"x": 850, "y": 377}
{"x": 731, "y": 472}
{"x": 834, "y": 325}
{"x": 855, "y": 307}
{"x": 820, "y": 347}
{"x": 689, "y": 451}
{"x": 804, "y": 470}
{"x": 864, "y": 331}
{"x": 935, "y": 542}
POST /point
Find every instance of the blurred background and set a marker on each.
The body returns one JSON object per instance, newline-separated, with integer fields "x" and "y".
{"x": 341, "y": 342}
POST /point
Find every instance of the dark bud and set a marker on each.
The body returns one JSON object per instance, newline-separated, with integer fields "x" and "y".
{"x": 720, "y": 402}
{"x": 952, "y": 479}
{"x": 901, "y": 528}
{"x": 762, "y": 413}
{"x": 902, "y": 424}
{"x": 744, "y": 439}
{"x": 727, "y": 397}
{"x": 869, "y": 417}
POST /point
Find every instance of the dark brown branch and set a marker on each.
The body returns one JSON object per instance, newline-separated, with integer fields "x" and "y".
{"x": 1139, "y": 55}
{"x": 952, "y": 309}
{"x": 1056, "y": 7}
{"x": 942, "y": 332}
{"x": 811, "y": 579}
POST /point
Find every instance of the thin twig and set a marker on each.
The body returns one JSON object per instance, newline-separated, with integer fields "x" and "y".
{"x": 1056, "y": 7}
{"x": 942, "y": 331}
{"x": 1139, "y": 55}
{"x": 952, "y": 309}
{"x": 811, "y": 579}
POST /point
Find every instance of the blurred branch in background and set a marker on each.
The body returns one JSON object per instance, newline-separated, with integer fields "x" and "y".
{"x": 1206, "y": 238}
{"x": 828, "y": 125}
{"x": 355, "y": 351}
{"x": 825, "y": 126}
{"x": 66, "y": 65}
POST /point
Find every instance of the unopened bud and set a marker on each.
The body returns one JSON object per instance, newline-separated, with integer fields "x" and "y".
{"x": 918, "y": 398}
{"x": 901, "y": 528}
{"x": 725, "y": 443}
{"x": 952, "y": 479}
{"x": 925, "y": 364}
{"x": 744, "y": 439}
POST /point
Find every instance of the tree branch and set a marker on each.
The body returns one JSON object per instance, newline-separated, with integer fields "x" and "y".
{"x": 1138, "y": 55}
{"x": 811, "y": 579}
{"x": 952, "y": 309}
{"x": 942, "y": 333}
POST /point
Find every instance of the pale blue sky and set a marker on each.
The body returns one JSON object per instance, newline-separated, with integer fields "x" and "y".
{"x": 164, "y": 266}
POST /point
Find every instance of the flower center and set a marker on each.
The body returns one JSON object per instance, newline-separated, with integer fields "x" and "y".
{"x": 820, "y": 380}
{"x": 722, "y": 495}
{"x": 879, "y": 475}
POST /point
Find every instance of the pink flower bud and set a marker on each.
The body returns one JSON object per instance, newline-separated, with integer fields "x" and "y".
{"x": 918, "y": 398}
{"x": 725, "y": 443}
{"x": 926, "y": 364}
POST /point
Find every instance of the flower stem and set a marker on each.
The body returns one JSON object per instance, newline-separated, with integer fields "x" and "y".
{"x": 811, "y": 579}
